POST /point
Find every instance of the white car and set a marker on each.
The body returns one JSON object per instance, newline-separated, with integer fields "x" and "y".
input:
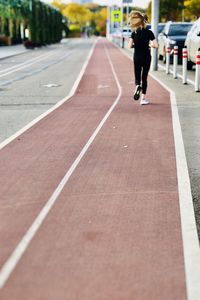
{"x": 173, "y": 34}
{"x": 127, "y": 32}
{"x": 193, "y": 43}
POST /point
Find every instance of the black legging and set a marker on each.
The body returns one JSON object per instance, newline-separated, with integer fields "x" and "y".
{"x": 141, "y": 68}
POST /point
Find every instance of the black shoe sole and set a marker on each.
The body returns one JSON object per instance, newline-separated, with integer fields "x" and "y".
{"x": 136, "y": 96}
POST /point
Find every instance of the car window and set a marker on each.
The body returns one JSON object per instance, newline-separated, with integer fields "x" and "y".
{"x": 126, "y": 30}
{"x": 166, "y": 29}
{"x": 179, "y": 29}
{"x": 197, "y": 32}
{"x": 194, "y": 27}
{"x": 160, "y": 27}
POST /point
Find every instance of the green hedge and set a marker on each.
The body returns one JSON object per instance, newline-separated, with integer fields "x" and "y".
{"x": 43, "y": 22}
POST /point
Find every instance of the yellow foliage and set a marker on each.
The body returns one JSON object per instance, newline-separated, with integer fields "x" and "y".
{"x": 100, "y": 18}
{"x": 192, "y": 8}
{"x": 58, "y": 4}
{"x": 87, "y": 15}
{"x": 77, "y": 14}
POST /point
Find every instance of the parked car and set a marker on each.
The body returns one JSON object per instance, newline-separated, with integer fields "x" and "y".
{"x": 160, "y": 27}
{"x": 127, "y": 32}
{"x": 173, "y": 34}
{"x": 193, "y": 43}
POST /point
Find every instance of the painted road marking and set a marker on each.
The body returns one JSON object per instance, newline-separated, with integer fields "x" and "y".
{"x": 36, "y": 120}
{"x": 15, "y": 257}
{"x": 26, "y": 64}
{"x": 37, "y": 70}
{"x": 178, "y": 75}
{"x": 22, "y": 64}
{"x": 191, "y": 247}
{"x": 188, "y": 224}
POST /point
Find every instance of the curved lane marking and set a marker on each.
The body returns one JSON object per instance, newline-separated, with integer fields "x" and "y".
{"x": 191, "y": 247}
{"x": 16, "y": 255}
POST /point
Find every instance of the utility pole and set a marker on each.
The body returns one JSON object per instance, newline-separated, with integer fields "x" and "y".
{"x": 154, "y": 28}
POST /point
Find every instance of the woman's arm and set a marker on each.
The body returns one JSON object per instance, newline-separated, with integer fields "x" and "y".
{"x": 130, "y": 43}
{"x": 153, "y": 44}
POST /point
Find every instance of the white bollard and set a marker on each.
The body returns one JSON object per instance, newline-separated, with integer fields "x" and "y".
{"x": 168, "y": 50}
{"x": 175, "y": 61}
{"x": 197, "y": 72}
{"x": 184, "y": 59}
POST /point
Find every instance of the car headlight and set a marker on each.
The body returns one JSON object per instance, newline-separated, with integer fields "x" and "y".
{"x": 172, "y": 42}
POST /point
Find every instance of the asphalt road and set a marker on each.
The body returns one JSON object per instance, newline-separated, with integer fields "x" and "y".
{"x": 33, "y": 82}
{"x": 85, "y": 202}
{"x": 188, "y": 102}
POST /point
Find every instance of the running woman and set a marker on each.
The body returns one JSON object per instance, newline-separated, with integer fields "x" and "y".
{"x": 142, "y": 39}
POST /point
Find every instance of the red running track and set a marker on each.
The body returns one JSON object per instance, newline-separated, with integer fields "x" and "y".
{"x": 114, "y": 232}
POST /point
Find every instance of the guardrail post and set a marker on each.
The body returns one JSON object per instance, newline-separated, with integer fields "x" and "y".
{"x": 197, "y": 72}
{"x": 175, "y": 61}
{"x": 184, "y": 59}
{"x": 167, "y": 59}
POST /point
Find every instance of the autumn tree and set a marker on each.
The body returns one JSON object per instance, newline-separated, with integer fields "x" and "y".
{"x": 58, "y": 4}
{"x": 191, "y": 9}
{"x": 100, "y": 21}
{"x": 77, "y": 15}
{"x": 170, "y": 10}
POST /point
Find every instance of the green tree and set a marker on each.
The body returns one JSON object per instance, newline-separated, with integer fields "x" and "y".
{"x": 43, "y": 21}
{"x": 100, "y": 21}
{"x": 58, "y": 4}
{"x": 192, "y": 9}
{"x": 78, "y": 14}
{"x": 170, "y": 10}
{"x": 90, "y": 15}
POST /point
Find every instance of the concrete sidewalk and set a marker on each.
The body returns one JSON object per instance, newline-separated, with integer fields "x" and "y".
{"x": 7, "y": 51}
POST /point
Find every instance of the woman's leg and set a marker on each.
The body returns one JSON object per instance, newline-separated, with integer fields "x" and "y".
{"x": 145, "y": 71}
{"x": 137, "y": 70}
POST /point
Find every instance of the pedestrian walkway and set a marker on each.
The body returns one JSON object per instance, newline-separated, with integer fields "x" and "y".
{"x": 7, "y": 51}
{"x": 89, "y": 198}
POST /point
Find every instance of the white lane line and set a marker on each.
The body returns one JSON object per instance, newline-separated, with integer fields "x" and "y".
{"x": 36, "y": 120}
{"x": 36, "y": 70}
{"x": 191, "y": 247}
{"x": 179, "y": 75}
{"x": 24, "y": 63}
{"x": 27, "y": 64}
{"x": 19, "y": 65}
{"x": 15, "y": 257}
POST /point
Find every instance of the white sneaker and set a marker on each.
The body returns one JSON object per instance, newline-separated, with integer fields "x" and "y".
{"x": 144, "y": 102}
